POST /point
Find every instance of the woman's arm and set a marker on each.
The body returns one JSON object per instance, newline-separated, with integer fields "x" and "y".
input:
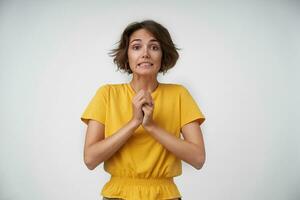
{"x": 191, "y": 149}
{"x": 97, "y": 149}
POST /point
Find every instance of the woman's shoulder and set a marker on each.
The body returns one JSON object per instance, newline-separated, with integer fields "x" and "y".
{"x": 111, "y": 85}
{"x": 114, "y": 87}
{"x": 173, "y": 86}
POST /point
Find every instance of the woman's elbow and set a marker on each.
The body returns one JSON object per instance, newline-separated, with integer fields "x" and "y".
{"x": 89, "y": 163}
{"x": 199, "y": 162}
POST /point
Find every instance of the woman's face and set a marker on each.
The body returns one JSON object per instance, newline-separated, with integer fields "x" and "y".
{"x": 144, "y": 53}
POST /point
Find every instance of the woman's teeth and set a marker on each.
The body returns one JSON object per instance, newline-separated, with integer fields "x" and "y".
{"x": 145, "y": 65}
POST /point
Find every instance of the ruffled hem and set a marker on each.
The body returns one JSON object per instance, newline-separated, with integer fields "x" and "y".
{"x": 140, "y": 188}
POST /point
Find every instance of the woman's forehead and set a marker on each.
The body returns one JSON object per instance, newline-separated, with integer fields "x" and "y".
{"x": 142, "y": 34}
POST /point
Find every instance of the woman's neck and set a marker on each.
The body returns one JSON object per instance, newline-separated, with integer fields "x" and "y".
{"x": 147, "y": 83}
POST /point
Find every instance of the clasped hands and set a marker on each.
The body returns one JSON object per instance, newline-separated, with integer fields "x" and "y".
{"x": 143, "y": 106}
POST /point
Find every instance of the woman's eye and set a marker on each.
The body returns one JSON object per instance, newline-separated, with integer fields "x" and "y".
{"x": 135, "y": 47}
{"x": 155, "y": 47}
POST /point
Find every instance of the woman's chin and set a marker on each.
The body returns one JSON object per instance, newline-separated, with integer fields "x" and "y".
{"x": 145, "y": 72}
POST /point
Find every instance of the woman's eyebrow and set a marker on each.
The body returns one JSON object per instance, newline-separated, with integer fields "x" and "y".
{"x": 152, "y": 40}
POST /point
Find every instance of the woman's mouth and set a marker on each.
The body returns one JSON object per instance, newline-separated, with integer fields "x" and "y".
{"x": 145, "y": 64}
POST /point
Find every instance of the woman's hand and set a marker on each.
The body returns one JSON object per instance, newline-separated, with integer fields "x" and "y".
{"x": 141, "y": 99}
{"x": 148, "y": 116}
{"x": 148, "y": 109}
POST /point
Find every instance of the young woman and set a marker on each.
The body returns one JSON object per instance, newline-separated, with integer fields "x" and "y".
{"x": 135, "y": 127}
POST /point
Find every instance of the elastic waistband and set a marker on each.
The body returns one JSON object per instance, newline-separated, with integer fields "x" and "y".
{"x": 141, "y": 181}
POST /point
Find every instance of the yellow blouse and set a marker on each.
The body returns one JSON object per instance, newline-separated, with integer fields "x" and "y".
{"x": 142, "y": 169}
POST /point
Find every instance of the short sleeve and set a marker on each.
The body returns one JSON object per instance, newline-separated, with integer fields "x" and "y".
{"x": 96, "y": 108}
{"x": 189, "y": 110}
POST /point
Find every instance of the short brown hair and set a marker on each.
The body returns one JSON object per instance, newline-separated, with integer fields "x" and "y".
{"x": 169, "y": 49}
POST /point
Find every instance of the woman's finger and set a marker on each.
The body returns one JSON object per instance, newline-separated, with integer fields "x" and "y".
{"x": 139, "y": 95}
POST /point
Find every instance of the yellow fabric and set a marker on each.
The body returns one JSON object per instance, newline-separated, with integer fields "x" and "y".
{"x": 142, "y": 168}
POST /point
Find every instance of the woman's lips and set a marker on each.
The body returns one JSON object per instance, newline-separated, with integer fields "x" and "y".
{"x": 145, "y": 64}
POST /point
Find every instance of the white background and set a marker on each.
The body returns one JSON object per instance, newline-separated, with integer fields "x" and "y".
{"x": 239, "y": 60}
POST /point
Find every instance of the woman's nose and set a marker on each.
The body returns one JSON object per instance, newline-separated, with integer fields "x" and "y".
{"x": 145, "y": 52}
